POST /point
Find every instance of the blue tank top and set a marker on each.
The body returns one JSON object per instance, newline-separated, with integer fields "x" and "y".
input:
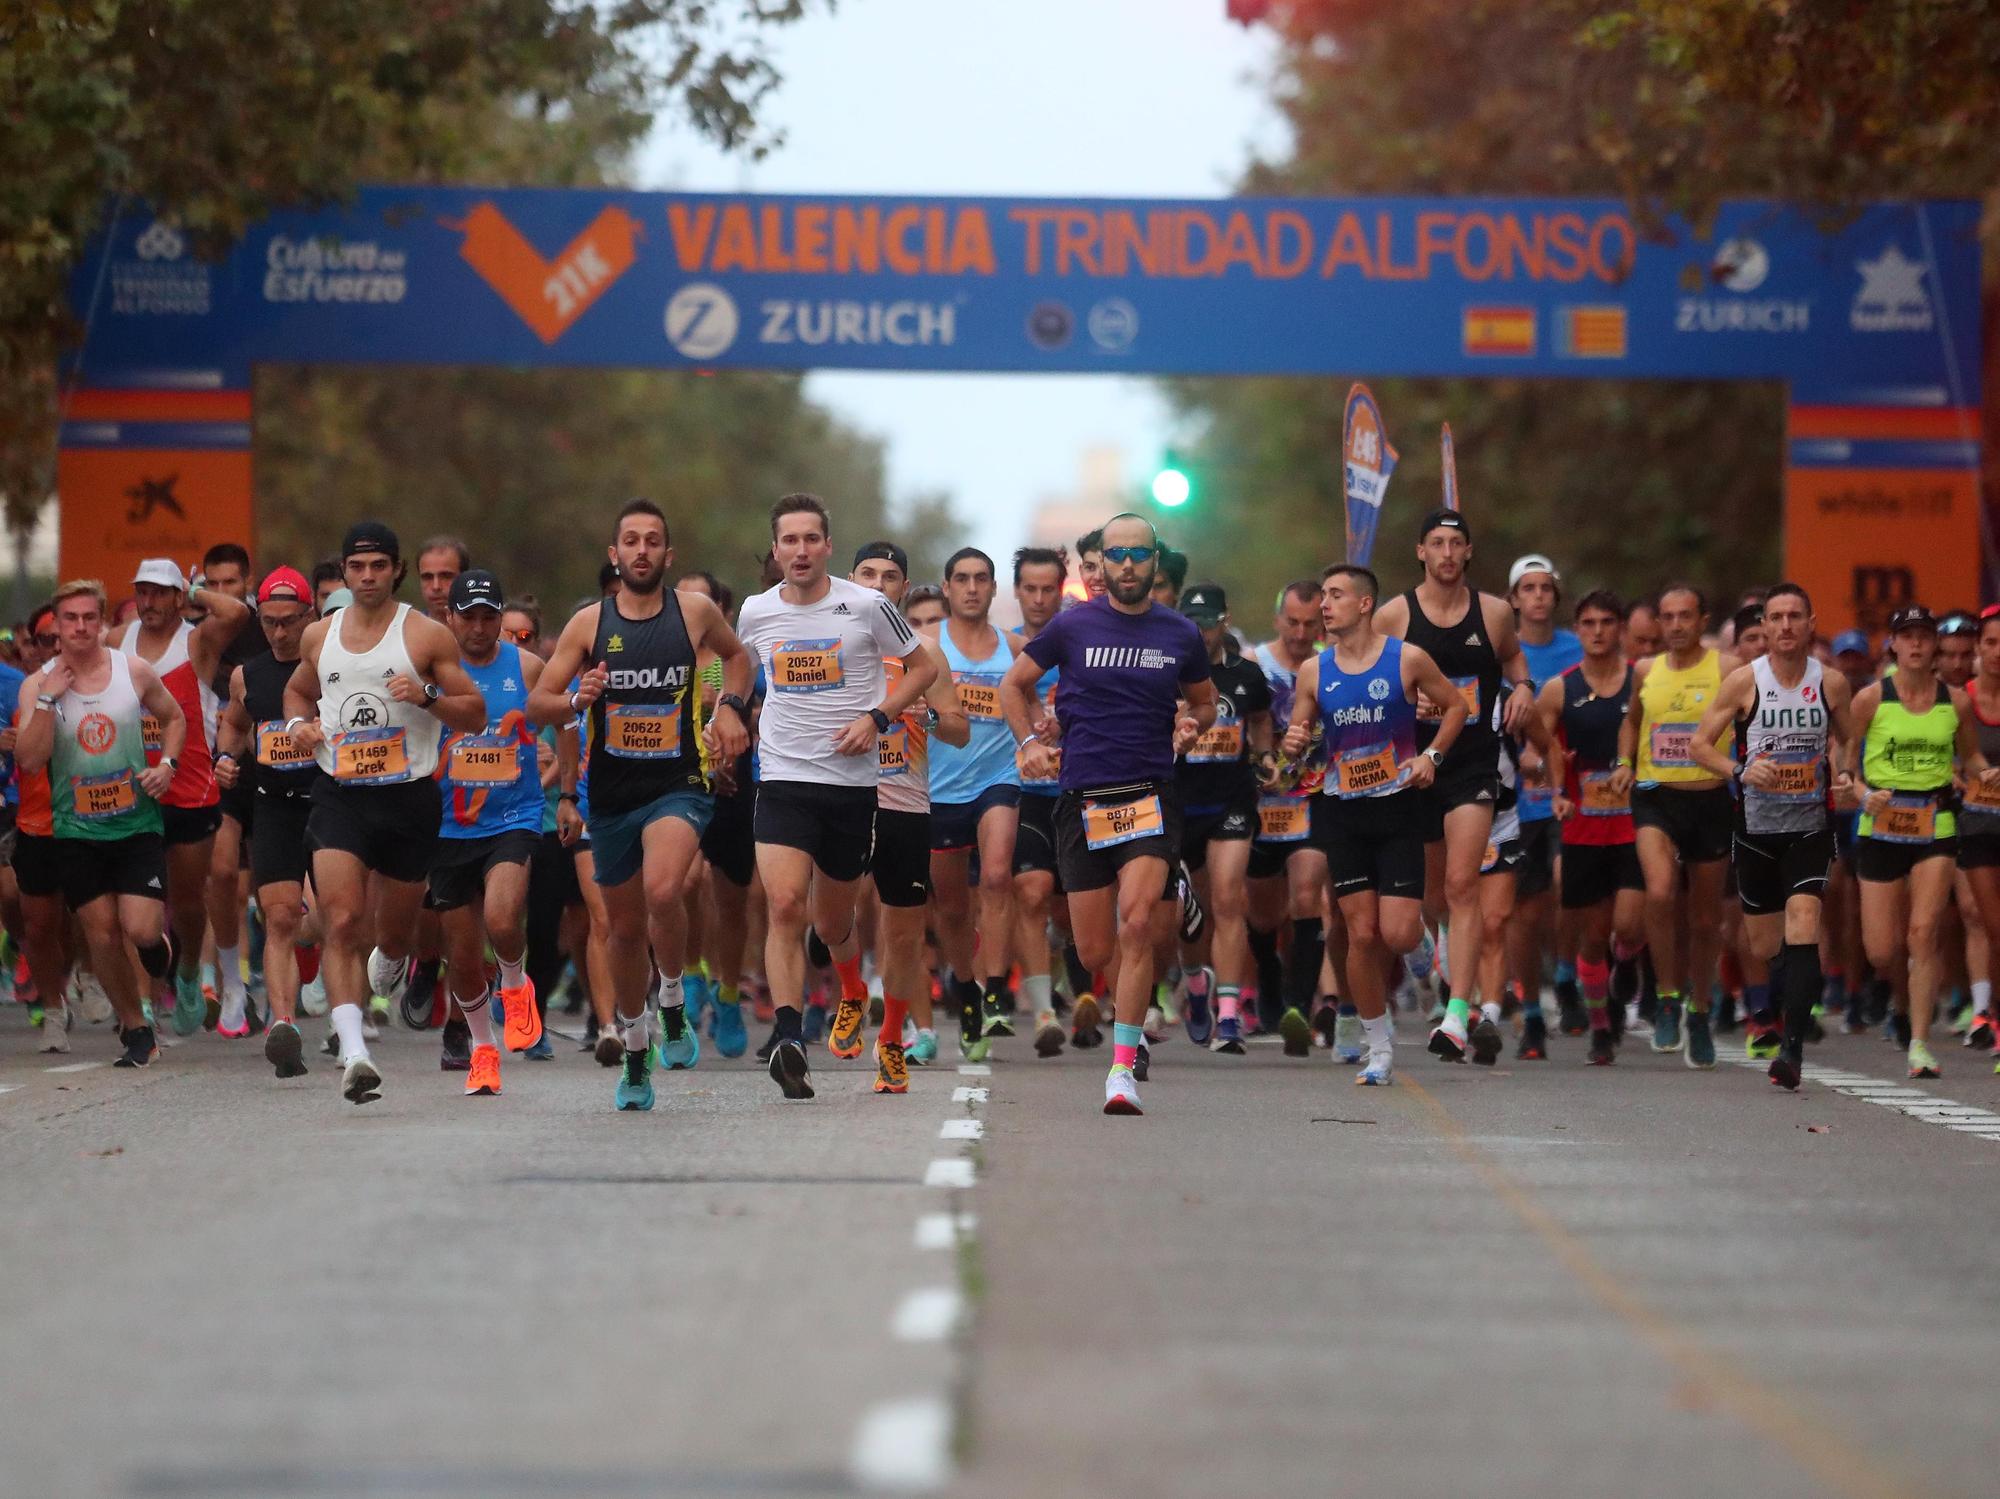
{"x": 492, "y": 781}
{"x": 961, "y": 775}
{"x": 1370, "y": 724}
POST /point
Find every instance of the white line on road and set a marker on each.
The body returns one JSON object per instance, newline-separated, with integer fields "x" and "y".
{"x": 8, "y": 1087}
{"x": 943, "y": 1230}
{"x": 928, "y": 1314}
{"x": 1976, "y": 1120}
{"x": 975, "y": 1069}
{"x": 948, "y": 1173}
{"x": 968, "y": 1095}
{"x": 74, "y": 1067}
{"x": 961, "y": 1129}
{"x": 904, "y": 1446}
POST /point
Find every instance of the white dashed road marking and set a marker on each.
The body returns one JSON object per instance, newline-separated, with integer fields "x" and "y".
{"x": 928, "y": 1314}
{"x": 944, "y": 1230}
{"x": 74, "y": 1067}
{"x": 948, "y": 1172}
{"x": 961, "y": 1129}
{"x": 904, "y": 1446}
{"x": 1960, "y": 1118}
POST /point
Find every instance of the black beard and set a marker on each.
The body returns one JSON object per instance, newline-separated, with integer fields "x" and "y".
{"x": 649, "y": 585}
{"x": 1140, "y": 588}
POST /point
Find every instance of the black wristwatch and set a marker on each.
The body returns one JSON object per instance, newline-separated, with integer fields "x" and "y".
{"x": 568, "y": 796}
{"x": 432, "y": 692}
{"x": 731, "y": 700}
{"x": 882, "y": 720}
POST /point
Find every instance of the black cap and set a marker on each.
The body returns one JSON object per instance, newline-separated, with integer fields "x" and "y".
{"x": 1748, "y": 617}
{"x": 1443, "y": 517}
{"x": 887, "y": 551}
{"x": 1205, "y": 604}
{"x": 370, "y": 536}
{"x": 1912, "y": 617}
{"x": 476, "y": 589}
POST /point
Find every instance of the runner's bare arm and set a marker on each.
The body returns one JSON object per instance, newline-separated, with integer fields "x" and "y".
{"x": 1520, "y": 700}
{"x": 153, "y": 695}
{"x": 434, "y": 653}
{"x": 1840, "y": 715}
{"x": 549, "y": 702}
{"x": 1549, "y": 705}
{"x": 1018, "y": 704}
{"x": 1393, "y": 617}
{"x": 1199, "y": 716}
{"x": 531, "y": 670}
{"x": 860, "y": 736}
{"x": 212, "y": 636}
{"x": 1628, "y": 732}
{"x": 1862, "y": 713}
{"x": 302, "y": 691}
{"x": 1738, "y": 692}
{"x": 1305, "y": 708}
{"x": 232, "y": 733}
{"x": 953, "y": 726}
{"x": 36, "y": 741}
{"x": 1967, "y": 741}
{"x": 731, "y": 735}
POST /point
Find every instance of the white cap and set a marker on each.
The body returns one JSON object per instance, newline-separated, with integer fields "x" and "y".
{"x": 1534, "y": 562}
{"x": 162, "y": 571}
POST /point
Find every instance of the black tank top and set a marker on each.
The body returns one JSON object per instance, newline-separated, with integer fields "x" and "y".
{"x": 1590, "y": 723}
{"x": 264, "y": 679}
{"x": 643, "y": 741}
{"x": 1465, "y": 654}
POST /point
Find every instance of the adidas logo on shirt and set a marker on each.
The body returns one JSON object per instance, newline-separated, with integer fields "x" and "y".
{"x": 1473, "y": 638}
{"x": 843, "y": 609}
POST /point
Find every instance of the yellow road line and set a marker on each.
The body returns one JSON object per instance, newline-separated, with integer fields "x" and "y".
{"x": 1814, "y": 1444}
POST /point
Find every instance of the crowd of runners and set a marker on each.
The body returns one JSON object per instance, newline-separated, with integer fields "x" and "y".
{"x": 246, "y": 804}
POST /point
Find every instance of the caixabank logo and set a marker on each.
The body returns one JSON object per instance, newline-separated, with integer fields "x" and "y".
{"x": 549, "y": 294}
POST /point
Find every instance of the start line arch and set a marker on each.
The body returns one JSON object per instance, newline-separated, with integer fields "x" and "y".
{"x": 1873, "y": 326}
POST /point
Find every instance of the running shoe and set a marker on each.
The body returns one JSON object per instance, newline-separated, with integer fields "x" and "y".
{"x": 790, "y": 1072}
{"x": 1380, "y": 1071}
{"x": 285, "y": 1050}
{"x": 542, "y": 1051}
{"x": 770, "y": 1044}
{"x": 1854, "y": 1015}
{"x": 1085, "y": 1023}
{"x": 812, "y": 1023}
{"x": 892, "y": 1074}
{"x": 1979, "y": 1035}
{"x": 1763, "y": 1042}
{"x": 1922, "y": 1063}
{"x": 330, "y": 1047}
{"x": 1448, "y": 1040}
{"x": 1121, "y": 1092}
{"x": 1534, "y": 1045}
{"x": 1324, "y": 1020}
{"x": 1198, "y": 1018}
{"x": 369, "y": 1030}
{"x": 1142, "y": 1065}
{"x": 1875, "y": 1004}
{"x": 994, "y": 1013}
{"x": 977, "y": 1049}
{"x": 697, "y": 995}
{"x": 1297, "y": 1031}
{"x": 379, "y": 1011}
{"x": 211, "y": 1007}
{"x": 188, "y": 1006}
{"x": 359, "y": 1081}
{"x": 678, "y": 1053}
{"x": 1899, "y": 1031}
{"x": 312, "y": 996}
{"x": 1722, "y": 1012}
{"x": 1154, "y": 1027}
{"x": 608, "y": 1049}
{"x": 1603, "y": 1049}
{"x": 483, "y": 1080}
{"x": 141, "y": 1047}
{"x": 454, "y": 1047}
{"x": 1700, "y": 1053}
{"x": 522, "y": 1027}
{"x": 1229, "y": 1036}
{"x": 1667, "y": 1026}
{"x": 390, "y": 978}
{"x": 844, "y": 1038}
{"x": 921, "y": 1050}
{"x": 1571, "y": 1017}
{"x": 732, "y": 1038}
{"x": 1422, "y": 959}
{"x": 1049, "y": 1034}
{"x": 1349, "y": 1040}
{"x": 1786, "y": 1067}
{"x": 1487, "y": 1042}
{"x": 634, "y": 1092}
{"x": 35, "y": 1014}
{"x": 89, "y": 998}
{"x": 55, "y": 1028}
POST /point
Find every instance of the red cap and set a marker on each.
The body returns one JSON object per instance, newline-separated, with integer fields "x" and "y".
{"x": 285, "y": 583}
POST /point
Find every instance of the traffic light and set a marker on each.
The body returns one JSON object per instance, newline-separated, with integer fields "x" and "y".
{"x": 1172, "y": 487}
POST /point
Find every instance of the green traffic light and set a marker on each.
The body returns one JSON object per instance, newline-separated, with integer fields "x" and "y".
{"x": 1171, "y": 488}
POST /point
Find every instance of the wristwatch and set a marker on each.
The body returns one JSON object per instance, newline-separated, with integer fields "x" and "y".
{"x": 568, "y": 796}
{"x": 731, "y": 700}
{"x": 1435, "y": 756}
{"x": 432, "y": 692}
{"x": 167, "y": 762}
{"x": 882, "y": 720}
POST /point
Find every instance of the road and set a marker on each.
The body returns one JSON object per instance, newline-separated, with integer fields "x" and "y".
{"x": 1536, "y": 1278}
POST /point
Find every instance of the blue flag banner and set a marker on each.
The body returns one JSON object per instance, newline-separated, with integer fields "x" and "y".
{"x": 1367, "y": 461}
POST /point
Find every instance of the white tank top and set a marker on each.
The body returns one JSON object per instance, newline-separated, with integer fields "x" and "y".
{"x": 372, "y": 740}
{"x": 1789, "y": 727}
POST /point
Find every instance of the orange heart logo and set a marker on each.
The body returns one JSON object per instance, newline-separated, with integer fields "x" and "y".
{"x": 548, "y": 295}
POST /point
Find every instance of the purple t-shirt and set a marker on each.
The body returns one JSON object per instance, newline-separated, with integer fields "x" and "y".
{"x": 1121, "y": 677}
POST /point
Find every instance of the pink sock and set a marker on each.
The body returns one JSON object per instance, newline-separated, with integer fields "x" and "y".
{"x": 1228, "y": 1002}
{"x": 1124, "y": 1056}
{"x": 1595, "y": 979}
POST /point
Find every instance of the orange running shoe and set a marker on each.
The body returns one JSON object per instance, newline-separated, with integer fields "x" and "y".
{"x": 484, "y": 1078}
{"x": 524, "y": 1019}
{"x": 849, "y": 1020}
{"x": 891, "y": 1075}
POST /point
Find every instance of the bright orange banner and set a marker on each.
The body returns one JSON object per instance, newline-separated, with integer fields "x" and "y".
{"x": 122, "y": 505}
{"x": 1864, "y": 541}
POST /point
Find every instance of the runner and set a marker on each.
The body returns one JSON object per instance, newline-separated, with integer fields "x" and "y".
{"x": 279, "y": 777}
{"x": 184, "y": 656}
{"x": 1791, "y": 725}
{"x": 1039, "y": 575}
{"x": 439, "y": 562}
{"x": 375, "y": 688}
{"x": 1907, "y": 728}
{"x": 1958, "y": 638}
{"x": 44, "y": 923}
{"x": 822, "y": 642}
{"x": 81, "y": 721}
{"x": 1090, "y": 563}
{"x": 1979, "y": 818}
{"x": 1479, "y": 652}
{"x": 1642, "y": 629}
{"x": 1126, "y": 664}
{"x": 1682, "y": 814}
{"x": 424, "y": 1002}
{"x": 633, "y": 655}
{"x": 225, "y": 567}
{"x": 975, "y": 798}
{"x": 1364, "y": 689}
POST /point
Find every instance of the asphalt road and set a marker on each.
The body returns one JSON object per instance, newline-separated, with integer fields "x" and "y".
{"x": 1540, "y": 1278}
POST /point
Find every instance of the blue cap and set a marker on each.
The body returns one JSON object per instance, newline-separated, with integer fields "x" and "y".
{"x": 1850, "y": 640}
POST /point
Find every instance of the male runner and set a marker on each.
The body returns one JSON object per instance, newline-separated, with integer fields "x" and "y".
{"x": 44, "y": 922}
{"x": 1642, "y": 629}
{"x": 1979, "y": 818}
{"x": 633, "y": 657}
{"x": 375, "y": 688}
{"x": 279, "y": 777}
{"x": 975, "y": 798}
{"x": 80, "y": 720}
{"x": 1791, "y": 720}
{"x": 1039, "y": 575}
{"x": 1958, "y": 636}
{"x": 1090, "y": 563}
{"x": 1470, "y": 635}
{"x": 184, "y": 656}
{"x": 1682, "y": 814}
{"x": 1170, "y": 579}
{"x": 822, "y": 642}
{"x": 1364, "y": 689}
{"x": 1126, "y": 664}
{"x": 225, "y": 568}
{"x": 439, "y": 561}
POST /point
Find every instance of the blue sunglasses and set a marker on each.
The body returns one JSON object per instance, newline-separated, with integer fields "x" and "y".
{"x": 1128, "y": 554}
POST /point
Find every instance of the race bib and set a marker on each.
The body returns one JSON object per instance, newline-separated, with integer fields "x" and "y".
{"x": 152, "y": 735}
{"x": 1907, "y": 819}
{"x": 1221, "y": 744}
{"x": 1798, "y": 778}
{"x": 1468, "y": 689}
{"x": 276, "y": 750}
{"x": 1978, "y": 796}
{"x": 806, "y": 666}
{"x": 643, "y": 731}
{"x": 1599, "y": 800}
{"x": 483, "y": 760}
{"x": 894, "y": 748}
{"x": 1491, "y": 860}
{"x": 980, "y": 695}
{"x": 1360, "y": 771}
{"x": 96, "y": 798}
{"x": 1108, "y": 824}
{"x": 1283, "y": 819}
{"x": 1669, "y": 744}
{"x": 370, "y": 757}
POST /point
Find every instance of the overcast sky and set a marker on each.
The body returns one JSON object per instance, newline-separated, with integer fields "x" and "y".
{"x": 1057, "y": 97}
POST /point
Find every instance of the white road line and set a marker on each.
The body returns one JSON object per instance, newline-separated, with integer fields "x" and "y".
{"x": 928, "y": 1315}
{"x": 74, "y": 1067}
{"x": 1972, "y": 1119}
{"x": 961, "y": 1129}
{"x": 968, "y": 1095}
{"x": 903, "y": 1446}
{"x": 943, "y": 1230}
{"x": 975, "y": 1069}
{"x": 8, "y": 1087}
{"x": 952, "y": 1172}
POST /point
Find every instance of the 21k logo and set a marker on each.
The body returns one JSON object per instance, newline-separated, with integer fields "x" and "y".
{"x": 549, "y": 295}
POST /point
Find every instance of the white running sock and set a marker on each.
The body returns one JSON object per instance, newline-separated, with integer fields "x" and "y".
{"x": 234, "y": 1003}
{"x": 229, "y": 964}
{"x": 1490, "y": 1010}
{"x": 1982, "y": 996}
{"x": 513, "y": 975}
{"x": 670, "y": 991}
{"x": 1381, "y": 1032}
{"x": 636, "y": 1031}
{"x": 347, "y": 1025}
{"x": 1035, "y": 989}
{"x": 479, "y": 1018}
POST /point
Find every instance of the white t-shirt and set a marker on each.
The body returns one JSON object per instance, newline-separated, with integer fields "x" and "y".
{"x": 822, "y": 670}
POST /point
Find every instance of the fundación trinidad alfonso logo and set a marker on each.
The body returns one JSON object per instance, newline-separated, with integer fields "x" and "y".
{"x": 548, "y": 295}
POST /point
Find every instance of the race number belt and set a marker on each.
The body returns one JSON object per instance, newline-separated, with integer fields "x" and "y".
{"x": 275, "y": 749}
{"x": 370, "y": 757}
{"x": 806, "y": 666}
{"x": 635, "y": 731}
{"x": 1979, "y": 796}
{"x": 1108, "y": 824}
{"x": 1283, "y": 819}
{"x": 483, "y": 760}
{"x": 1907, "y": 819}
{"x": 96, "y": 798}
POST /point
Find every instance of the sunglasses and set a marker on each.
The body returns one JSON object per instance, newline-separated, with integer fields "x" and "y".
{"x": 1128, "y": 554}
{"x": 519, "y": 637}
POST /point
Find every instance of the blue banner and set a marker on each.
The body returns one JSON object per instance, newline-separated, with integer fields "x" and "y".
{"x": 1367, "y": 461}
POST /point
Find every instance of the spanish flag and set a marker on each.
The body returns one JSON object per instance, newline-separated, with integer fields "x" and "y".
{"x": 1499, "y": 330}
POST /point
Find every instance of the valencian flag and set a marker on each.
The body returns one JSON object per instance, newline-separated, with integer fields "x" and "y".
{"x": 1450, "y": 469}
{"x": 1367, "y": 461}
